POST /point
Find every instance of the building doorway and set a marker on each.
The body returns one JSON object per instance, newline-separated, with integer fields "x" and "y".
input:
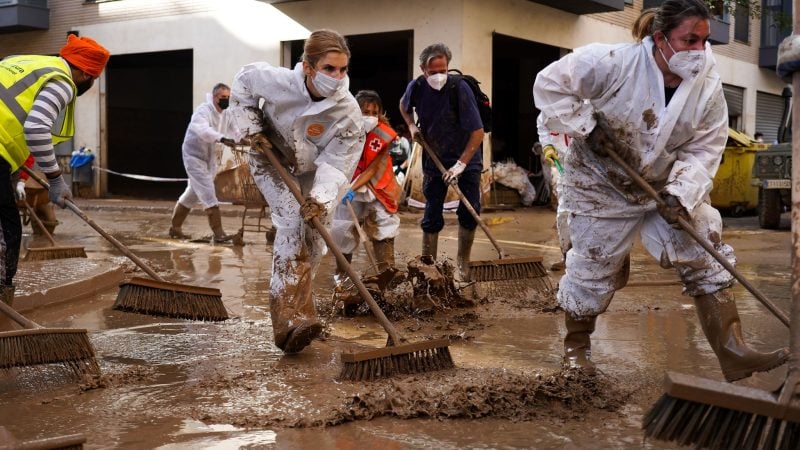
{"x": 149, "y": 105}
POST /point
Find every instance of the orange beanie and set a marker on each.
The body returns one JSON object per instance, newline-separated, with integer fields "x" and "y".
{"x": 85, "y": 54}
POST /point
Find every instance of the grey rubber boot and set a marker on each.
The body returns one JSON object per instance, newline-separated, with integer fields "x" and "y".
{"x": 179, "y": 214}
{"x": 465, "y": 238}
{"x": 429, "y": 243}
{"x": 720, "y": 321}
{"x": 578, "y": 345}
{"x": 384, "y": 253}
{"x": 215, "y": 222}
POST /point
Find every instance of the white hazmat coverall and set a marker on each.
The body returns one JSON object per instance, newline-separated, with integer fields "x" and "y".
{"x": 327, "y": 138}
{"x": 676, "y": 147}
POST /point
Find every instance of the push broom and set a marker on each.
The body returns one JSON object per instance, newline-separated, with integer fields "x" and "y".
{"x": 709, "y": 413}
{"x": 529, "y": 269}
{"x": 34, "y": 345}
{"x": 399, "y": 356}
{"x": 55, "y": 251}
{"x": 155, "y": 297}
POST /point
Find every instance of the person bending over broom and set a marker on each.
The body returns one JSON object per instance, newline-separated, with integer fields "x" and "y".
{"x": 37, "y": 111}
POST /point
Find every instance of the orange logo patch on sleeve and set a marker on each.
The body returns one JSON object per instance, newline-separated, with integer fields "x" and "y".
{"x": 315, "y": 129}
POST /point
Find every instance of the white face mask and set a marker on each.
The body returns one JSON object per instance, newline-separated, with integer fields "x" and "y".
{"x": 327, "y": 85}
{"x": 437, "y": 80}
{"x": 370, "y": 122}
{"x": 686, "y": 64}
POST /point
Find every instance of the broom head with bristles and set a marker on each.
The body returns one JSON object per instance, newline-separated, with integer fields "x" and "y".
{"x": 511, "y": 274}
{"x": 418, "y": 357}
{"x": 181, "y": 301}
{"x": 707, "y": 413}
{"x": 47, "y": 253}
{"x": 30, "y": 347}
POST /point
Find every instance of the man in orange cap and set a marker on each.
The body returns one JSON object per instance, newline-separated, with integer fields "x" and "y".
{"x": 37, "y": 106}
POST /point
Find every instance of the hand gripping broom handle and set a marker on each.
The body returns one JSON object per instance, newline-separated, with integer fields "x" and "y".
{"x": 363, "y": 236}
{"x": 688, "y": 228}
{"x": 298, "y": 195}
{"x": 460, "y": 194}
{"x": 97, "y": 228}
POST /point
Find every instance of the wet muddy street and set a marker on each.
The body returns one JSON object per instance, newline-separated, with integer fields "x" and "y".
{"x": 170, "y": 383}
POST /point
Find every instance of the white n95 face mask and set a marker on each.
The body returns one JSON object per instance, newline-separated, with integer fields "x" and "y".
{"x": 327, "y": 85}
{"x": 437, "y": 80}
{"x": 370, "y": 122}
{"x": 686, "y": 64}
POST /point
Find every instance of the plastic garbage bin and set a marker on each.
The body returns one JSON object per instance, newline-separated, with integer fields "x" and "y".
{"x": 733, "y": 190}
{"x": 81, "y": 167}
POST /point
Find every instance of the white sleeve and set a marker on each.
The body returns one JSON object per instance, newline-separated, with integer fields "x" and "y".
{"x": 337, "y": 162}
{"x": 244, "y": 102}
{"x": 200, "y": 125}
{"x": 48, "y": 106}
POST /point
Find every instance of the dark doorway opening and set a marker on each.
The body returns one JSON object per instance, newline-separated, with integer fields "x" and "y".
{"x": 381, "y": 62}
{"x": 149, "y": 105}
{"x": 515, "y": 63}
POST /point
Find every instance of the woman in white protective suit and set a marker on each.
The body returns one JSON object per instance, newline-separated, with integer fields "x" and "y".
{"x": 664, "y": 100}
{"x": 205, "y": 130}
{"x": 320, "y": 120}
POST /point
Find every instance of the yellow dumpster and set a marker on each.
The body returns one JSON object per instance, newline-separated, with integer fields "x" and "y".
{"x": 733, "y": 190}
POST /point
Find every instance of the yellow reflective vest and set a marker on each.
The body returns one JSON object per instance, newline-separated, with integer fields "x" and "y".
{"x": 21, "y": 79}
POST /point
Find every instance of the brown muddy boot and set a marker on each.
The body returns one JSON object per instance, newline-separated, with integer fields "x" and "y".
{"x": 294, "y": 317}
{"x": 429, "y": 243}
{"x": 179, "y": 214}
{"x": 384, "y": 253}
{"x": 215, "y": 222}
{"x": 577, "y": 345}
{"x": 719, "y": 319}
{"x": 7, "y": 296}
{"x": 465, "y": 238}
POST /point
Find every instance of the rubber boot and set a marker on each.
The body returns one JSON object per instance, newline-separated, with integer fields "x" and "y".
{"x": 465, "y": 238}
{"x": 7, "y": 296}
{"x": 215, "y": 222}
{"x": 577, "y": 345}
{"x": 719, "y": 319}
{"x": 341, "y": 273}
{"x": 294, "y": 317}
{"x": 179, "y": 214}
{"x": 429, "y": 243}
{"x": 384, "y": 253}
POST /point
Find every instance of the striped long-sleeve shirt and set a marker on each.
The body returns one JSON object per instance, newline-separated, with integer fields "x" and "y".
{"x": 47, "y": 108}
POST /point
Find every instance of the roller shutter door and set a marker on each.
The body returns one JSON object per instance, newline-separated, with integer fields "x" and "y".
{"x": 769, "y": 110}
{"x": 734, "y": 97}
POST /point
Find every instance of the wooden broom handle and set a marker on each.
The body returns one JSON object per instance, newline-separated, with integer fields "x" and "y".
{"x": 23, "y": 321}
{"x": 461, "y": 196}
{"x": 354, "y": 276}
{"x": 689, "y": 229}
{"x": 370, "y": 254}
{"x": 97, "y": 228}
{"x": 35, "y": 218}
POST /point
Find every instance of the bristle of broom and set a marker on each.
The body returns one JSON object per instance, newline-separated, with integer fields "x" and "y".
{"x": 47, "y": 253}
{"x": 489, "y": 271}
{"x": 397, "y": 362}
{"x": 175, "y": 303}
{"x": 68, "y": 347}
{"x": 706, "y": 426}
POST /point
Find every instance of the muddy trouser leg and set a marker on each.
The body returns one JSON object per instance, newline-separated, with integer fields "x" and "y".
{"x": 435, "y": 190}
{"x": 11, "y": 236}
{"x": 296, "y": 254}
{"x": 382, "y": 227}
{"x": 707, "y": 281}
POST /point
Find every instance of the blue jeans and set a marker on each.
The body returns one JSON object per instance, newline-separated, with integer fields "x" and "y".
{"x": 435, "y": 190}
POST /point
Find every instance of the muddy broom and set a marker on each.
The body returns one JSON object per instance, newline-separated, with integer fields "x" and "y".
{"x": 156, "y": 297}
{"x": 35, "y": 344}
{"x": 530, "y": 270}
{"x": 399, "y": 356}
{"x": 55, "y": 251}
{"x": 709, "y": 413}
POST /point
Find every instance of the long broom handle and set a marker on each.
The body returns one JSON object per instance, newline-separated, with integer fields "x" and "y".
{"x": 461, "y": 196}
{"x": 372, "y": 259}
{"x": 97, "y": 228}
{"x": 23, "y": 321}
{"x": 39, "y": 223}
{"x": 298, "y": 195}
{"x": 689, "y": 229}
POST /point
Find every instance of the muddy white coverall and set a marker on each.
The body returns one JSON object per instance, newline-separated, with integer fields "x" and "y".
{"x": 199, "y": 158}
{"x": 676, "y": 147}
{"x": 327, "y": 137}
{"x": 561, "y": 143}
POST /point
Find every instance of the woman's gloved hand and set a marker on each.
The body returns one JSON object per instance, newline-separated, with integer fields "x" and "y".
{"x": 348, "y": 197}
{"x": 671, "y": 209}
{"x": 312, "y": 208}
{"x": 550, "y": 154}
{"x": 59, "y": 191}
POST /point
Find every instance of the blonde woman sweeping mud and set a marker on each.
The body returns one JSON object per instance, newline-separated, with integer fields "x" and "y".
{"x": 321, "y": 121}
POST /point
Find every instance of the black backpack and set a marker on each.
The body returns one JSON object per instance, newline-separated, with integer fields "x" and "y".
{"x": 482, "y": 100}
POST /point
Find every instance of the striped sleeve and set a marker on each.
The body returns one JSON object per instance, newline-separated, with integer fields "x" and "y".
{"x": 49, "y": 104}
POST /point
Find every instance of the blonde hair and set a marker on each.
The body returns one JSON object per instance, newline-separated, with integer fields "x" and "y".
{"x": 667, "y": 17}
{"x": 322, "y": 42}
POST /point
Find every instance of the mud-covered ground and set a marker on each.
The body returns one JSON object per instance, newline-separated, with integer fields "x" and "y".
{"x": 169, "y": 383}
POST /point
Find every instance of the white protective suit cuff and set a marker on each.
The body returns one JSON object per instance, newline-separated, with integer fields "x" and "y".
{"x": 328, "y": 181}
{"x": 247, "y": 121}
{"x": 688, "y": 184}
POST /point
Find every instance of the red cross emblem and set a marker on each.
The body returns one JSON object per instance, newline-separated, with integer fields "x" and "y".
{"x": 375, "y": 144}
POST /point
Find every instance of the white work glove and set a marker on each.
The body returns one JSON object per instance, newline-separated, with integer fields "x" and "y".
{"x": 20, "y": 191}
{"x": 59, "y": 191}
{"x": 451, "y": 176}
